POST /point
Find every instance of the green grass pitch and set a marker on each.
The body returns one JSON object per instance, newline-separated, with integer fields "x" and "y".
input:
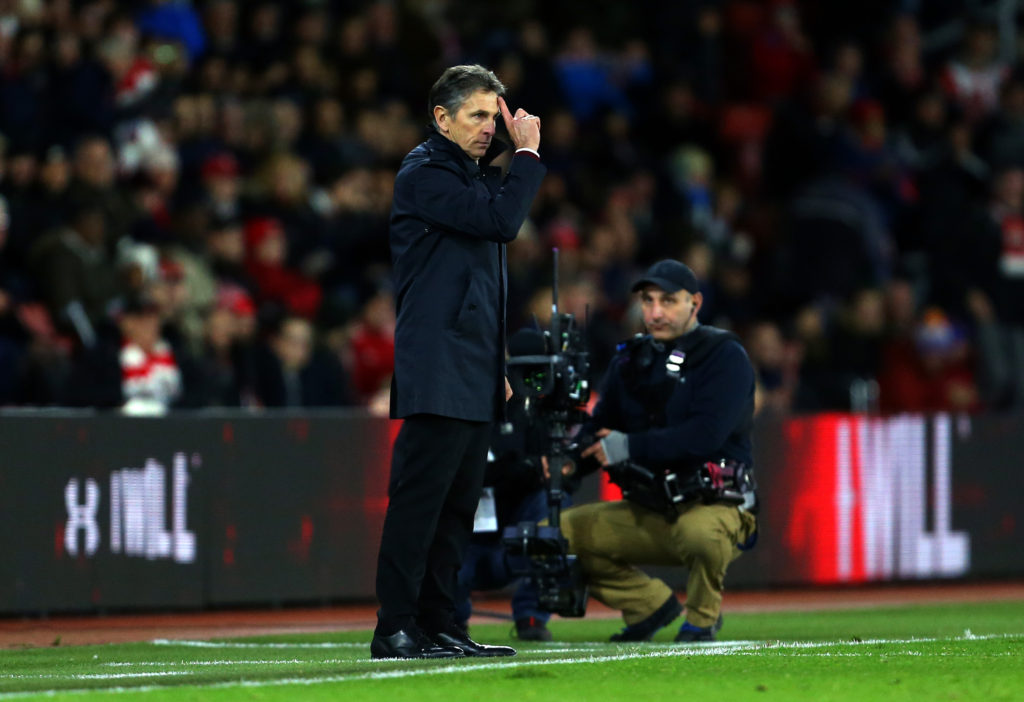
{"x": 967, "y": 651}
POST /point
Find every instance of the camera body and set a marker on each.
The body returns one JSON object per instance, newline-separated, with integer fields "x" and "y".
{"x": 539, "y": 553}
{"x": 549, "y": 369}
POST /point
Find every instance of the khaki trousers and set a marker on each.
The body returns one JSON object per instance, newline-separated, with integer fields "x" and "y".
{"x": 610, "y": 537}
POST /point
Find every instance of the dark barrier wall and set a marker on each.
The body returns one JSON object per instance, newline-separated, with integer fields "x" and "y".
{"x": 106, "y": 512}
{"x": 111, "y": 512}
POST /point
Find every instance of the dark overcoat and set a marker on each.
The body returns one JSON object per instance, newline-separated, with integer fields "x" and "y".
{"x": 450, "y": 221}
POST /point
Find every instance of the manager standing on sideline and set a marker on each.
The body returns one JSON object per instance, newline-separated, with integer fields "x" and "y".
{"x": 450, "y": 220}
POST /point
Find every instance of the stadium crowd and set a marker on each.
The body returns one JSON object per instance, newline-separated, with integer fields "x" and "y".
{"x": 194, "y": 196}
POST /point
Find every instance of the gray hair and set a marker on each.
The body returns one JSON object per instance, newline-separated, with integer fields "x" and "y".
{"x": 457, "y": 83}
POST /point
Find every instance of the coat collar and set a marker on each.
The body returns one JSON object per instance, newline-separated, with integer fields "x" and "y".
{"x": 439, "y": 142}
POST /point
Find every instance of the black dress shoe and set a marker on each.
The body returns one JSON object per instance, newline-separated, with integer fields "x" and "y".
{"x": 460, "y": 640}
{"x": 410, "y": 644}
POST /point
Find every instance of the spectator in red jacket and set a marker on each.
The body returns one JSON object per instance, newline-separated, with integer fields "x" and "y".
{"x": 930, "y": 371}
{"x": 266, "y": 253}
{"x": 373, "y": 346}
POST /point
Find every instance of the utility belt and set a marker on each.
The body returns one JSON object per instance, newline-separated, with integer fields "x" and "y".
{"x": 665, "y": 492}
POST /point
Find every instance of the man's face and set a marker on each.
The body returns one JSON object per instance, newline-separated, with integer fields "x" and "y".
{"x": 94, "y": 163}
{"x": 472, "y": 127}
{"x": 668, "y": 315}
{"x": 142, "y": 328}
{"x": 294, "y": 343}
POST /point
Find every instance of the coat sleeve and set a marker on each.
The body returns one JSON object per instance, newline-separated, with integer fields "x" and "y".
{"x": 717, "y": 408}
{"x": 443, "y": 199}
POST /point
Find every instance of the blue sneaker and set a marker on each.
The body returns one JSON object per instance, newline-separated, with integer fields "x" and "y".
{"x": 644, "y": 630}
{"x": 688, "y": 633}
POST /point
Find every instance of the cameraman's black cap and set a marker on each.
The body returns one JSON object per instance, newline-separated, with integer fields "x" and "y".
{"x": 669, "y": 275}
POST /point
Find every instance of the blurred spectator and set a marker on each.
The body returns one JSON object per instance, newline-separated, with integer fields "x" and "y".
{"x": 973, "y": 78}
{"x": 133, "y": 369}
{"x": 327, "y": 143}
{"x": 186, "y": 261}
{"x": 802, "y": 152}
{"x": 94, "y": 181}
{"x": 266, "y": 257}
{"x": 23, "y": 88}
{"x": 774, "y": 367}
{"x": 868, "y": 158}
{"x": 226, "y": 254}
{"x": 805, "y": 136}
{"x": 903, "y": 76}
{"x": 373, "y": 346}
{"x": 994, "y": 258}
{"x": 224, "y": 363}
{"x": 222, "y": 186}
{"x": 586, "y": 77}
{"x": 692, "y": 173}
{"x": 857, "y": 350}
{"x": 734, "y": 300}
{"x": 1002, "y": 137}
{"x": 931, "y": 373}
{"x": 286, "y": 199}
{"x": 921, "y": 141}
{"x": 133, "y": 77}
{"x": 74, "y": 272}
{"x": 814, "y": 388}
{"x": 220, "y": 23}
{"x": 10, "y": 328}
{"x": 173, "y": 19}
{"x": 291, "y": 371}
{"x": 180, "y": 322}
{"x": 782, "y": 59}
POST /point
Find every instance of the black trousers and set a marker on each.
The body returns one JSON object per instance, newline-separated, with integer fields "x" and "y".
{"x": 437, "y": 473}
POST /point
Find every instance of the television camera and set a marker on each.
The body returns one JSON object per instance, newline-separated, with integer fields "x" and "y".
{"x": 549, "y": 369}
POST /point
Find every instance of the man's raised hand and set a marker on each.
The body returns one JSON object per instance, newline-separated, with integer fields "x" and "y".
{"x": 523, "y": 127}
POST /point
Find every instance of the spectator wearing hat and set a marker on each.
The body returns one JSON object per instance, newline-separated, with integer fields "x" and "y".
{"x": 222, "y": 186}
{"x": 266, "y": 256}
{"x": 225, "y": 362}
{"x": 134, "y": 369}
{"x": 181, "y": 318}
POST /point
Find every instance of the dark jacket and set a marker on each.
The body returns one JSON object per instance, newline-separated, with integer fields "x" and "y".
{"x": 705, "y": 414}
{"x": 450, "y": 221}
{"x": 320, "y": 383}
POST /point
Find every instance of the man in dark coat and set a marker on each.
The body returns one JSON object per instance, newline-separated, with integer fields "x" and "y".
{"x": 450, "y": 220}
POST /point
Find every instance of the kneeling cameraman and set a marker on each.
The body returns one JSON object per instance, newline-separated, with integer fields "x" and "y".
{"x": 673, "y": 430}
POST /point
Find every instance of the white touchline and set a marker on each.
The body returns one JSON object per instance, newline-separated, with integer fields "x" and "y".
{"x": 93, "y": 676}
{"x": 260, "y": 661}
{"x": 709, "y": 649}
{"x": 241, "y": 644}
